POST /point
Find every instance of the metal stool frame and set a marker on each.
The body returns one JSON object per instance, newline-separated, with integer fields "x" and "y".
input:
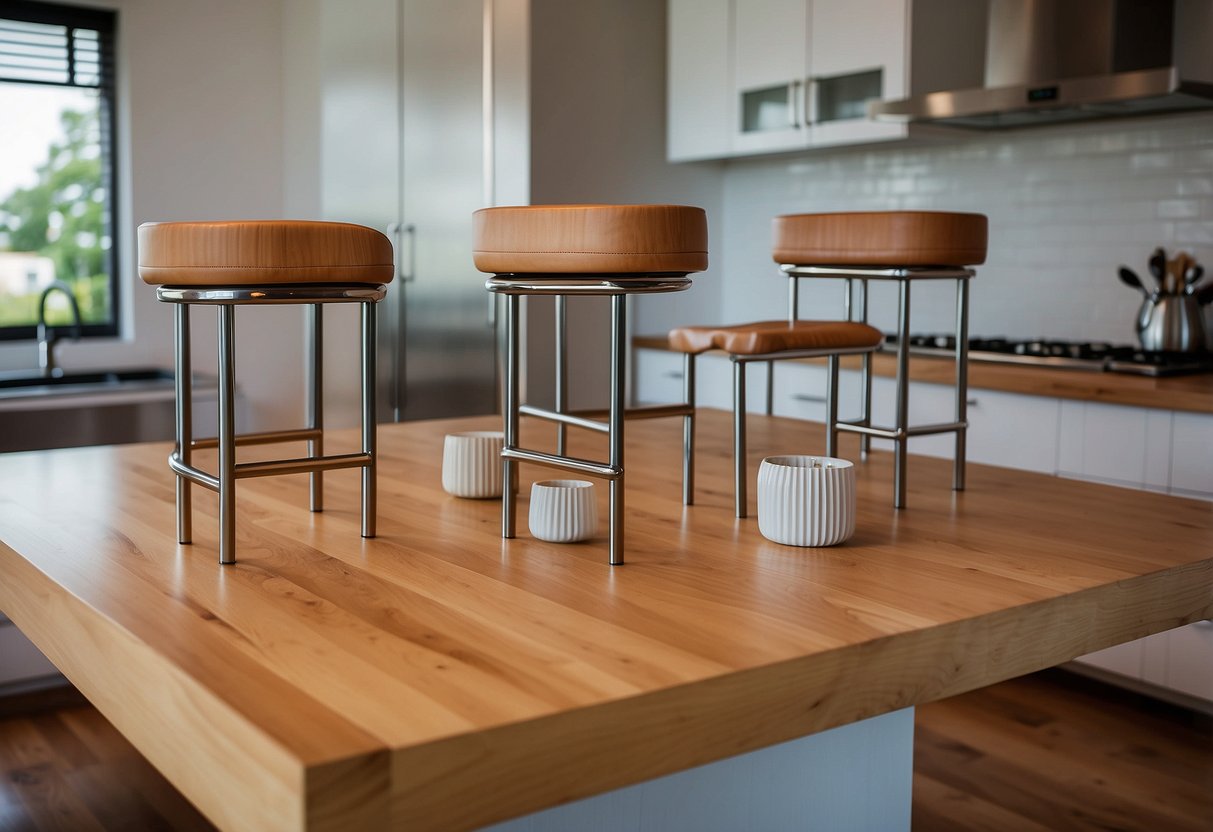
{"x": 226, "y": 299}
{"x": 832, "y": 355}
{"x": 617, "y": 288}
{"x": 902, "y": 430}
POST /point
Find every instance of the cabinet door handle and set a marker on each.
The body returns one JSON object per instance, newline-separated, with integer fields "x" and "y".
{"x": 672, "y": 374}
{"x": 810, "y": 102}
{"x": 809, "y": 397}
{"x": 793, "y": 104}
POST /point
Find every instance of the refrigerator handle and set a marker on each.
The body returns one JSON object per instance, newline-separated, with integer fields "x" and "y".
{"x": 399, "y": 232}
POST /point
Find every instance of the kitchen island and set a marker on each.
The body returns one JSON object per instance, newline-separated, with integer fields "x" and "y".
{"x": 440, "y": 677}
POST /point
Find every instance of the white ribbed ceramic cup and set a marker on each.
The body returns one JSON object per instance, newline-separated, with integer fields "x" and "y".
{"x": 563, "y": 511}
{"x": 471, "y": 463}
{"x": 806, "y": 500}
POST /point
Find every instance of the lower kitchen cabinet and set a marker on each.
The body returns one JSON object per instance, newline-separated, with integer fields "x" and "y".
{"x": 1132, "y": 447}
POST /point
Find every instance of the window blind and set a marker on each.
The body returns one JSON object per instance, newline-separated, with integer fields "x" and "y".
{"x": 59, "y": 45}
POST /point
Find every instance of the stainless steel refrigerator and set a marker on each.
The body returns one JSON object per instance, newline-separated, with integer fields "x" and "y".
{"x": 404, "y": 148}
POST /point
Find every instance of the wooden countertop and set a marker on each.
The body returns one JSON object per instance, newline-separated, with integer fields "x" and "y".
{"x": 1191, "y": 393}
{"x": 439, "y": 677}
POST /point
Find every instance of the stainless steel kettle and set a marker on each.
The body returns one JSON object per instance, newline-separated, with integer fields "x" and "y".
{"x": 1171, "y": 317}
{"x": 1174, "y": 323}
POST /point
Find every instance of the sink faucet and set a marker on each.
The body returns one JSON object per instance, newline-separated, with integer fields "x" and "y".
{"x": 47, "y": 337}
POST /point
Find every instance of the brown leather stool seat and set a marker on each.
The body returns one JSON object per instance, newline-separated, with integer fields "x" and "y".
{"x": 891, "y": 239}
{"x": 765, "y": 337}
{"x": 254, "y": 263}
{"x": 589, "y": 250}
{"x": 262, "y": 253}
{"x": 591, "y": 239}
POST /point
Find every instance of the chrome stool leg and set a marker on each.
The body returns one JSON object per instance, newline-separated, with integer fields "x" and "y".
{"x": 562, "y": 373}
{"x": 962, "y": 381}
{"x": 227, "y": 434}
{"x": 739, "y": 460}
{"x": 369, "y": 481}
{"x": 688, "y": 430}
{"x": 903, "y": 395}
{"x": 615, "y": 424}
{"x": 184, "y": 418}
{"x": 865, "y": 441}
{"x": 509, "y": 467}
{"x": 832, "y": 406}
{"x": 315, "y": 399}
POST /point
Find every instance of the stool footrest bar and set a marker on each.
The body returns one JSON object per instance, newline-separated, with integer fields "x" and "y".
{"x": 564, "y": 463}
{"x": 894, "y": 433}
{"x": 265, "y": 438}
{"x": 656, "y": 411}
{"x": 194, "y": 475}
{"x": 302, "y": 465}
{"x": 563, "y": 418}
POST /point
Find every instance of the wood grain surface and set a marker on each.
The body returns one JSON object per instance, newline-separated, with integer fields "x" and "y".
{"x": 1193, "y": 393}
{"x": 440, "y": 677}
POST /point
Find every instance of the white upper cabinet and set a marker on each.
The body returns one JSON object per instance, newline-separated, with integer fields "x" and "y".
{"x": 766, "y": 76}
{"x": 770, "y": 75}
{"x": 698, "y": 80}
{"x": 858, "y": 52}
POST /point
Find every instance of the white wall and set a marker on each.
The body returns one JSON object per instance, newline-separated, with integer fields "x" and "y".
{"x": 598, "y": 135}
{"x": 1067, "y": 206}
{"x": 201, "y": 136}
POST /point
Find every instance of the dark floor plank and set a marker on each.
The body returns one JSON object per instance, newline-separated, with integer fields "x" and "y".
{"x": 1046, "y": 752}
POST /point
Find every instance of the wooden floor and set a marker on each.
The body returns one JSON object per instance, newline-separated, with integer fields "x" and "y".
{"x": 1049, "y": 751}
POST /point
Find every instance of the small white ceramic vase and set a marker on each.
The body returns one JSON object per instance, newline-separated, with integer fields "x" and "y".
{"x": 563, "y": 511}
{"x": 806, "y": 500}
{"x": 471, "y": 463}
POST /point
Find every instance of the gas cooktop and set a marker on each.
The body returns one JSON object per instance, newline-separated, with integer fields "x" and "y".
{"x": 1074, "y": 355}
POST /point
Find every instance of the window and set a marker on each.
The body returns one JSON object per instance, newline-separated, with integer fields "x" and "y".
{"x": 57, "y": 198}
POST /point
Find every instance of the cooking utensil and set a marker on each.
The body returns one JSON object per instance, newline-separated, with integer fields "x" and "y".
{"x": 1192, "y": 276}
{"x": 1130, "y": 278}
{"x": 1158, "y": 266}
{"x": 1204, "y": 295}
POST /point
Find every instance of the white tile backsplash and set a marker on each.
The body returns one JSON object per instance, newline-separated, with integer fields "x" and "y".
{"x": 1067, "y": 206}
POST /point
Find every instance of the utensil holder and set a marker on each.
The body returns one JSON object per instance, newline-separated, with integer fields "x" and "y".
{"x": 563, "y": 511}
{"x": 806, "y": 500}
{"x": 471, "y": 463}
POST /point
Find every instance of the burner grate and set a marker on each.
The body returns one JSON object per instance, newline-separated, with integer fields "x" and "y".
{"x": 1093, "y": 356}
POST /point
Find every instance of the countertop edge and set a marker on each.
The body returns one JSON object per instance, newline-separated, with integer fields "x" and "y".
{"x": 636, "y": 739}
{"x": 1191, "y": 393}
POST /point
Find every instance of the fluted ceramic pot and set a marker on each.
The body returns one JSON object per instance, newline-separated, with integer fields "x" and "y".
{"x": 471, "y": 463}
{"x": 806, "y": 500}
{"x": 563, "y": 511}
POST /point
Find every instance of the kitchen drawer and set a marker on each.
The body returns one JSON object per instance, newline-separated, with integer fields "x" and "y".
{"x": 1192, "y": 454}
{"x": 657, "y": 378}
{"x": 1115, "y": 444}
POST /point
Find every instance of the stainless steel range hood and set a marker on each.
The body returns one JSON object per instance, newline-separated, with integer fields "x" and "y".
{"x": 1049, "y": 61}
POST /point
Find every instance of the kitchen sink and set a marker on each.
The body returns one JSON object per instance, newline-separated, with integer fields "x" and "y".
{"x": 94, "y": 407}
{"x": 26, "y": 383}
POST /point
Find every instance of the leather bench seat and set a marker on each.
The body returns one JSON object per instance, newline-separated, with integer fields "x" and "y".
{"x": 765, "y": 337}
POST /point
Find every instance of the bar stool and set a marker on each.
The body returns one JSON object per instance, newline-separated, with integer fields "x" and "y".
{"x": 901, "y": 246}
{"x": 586, "y": 250}
{"x": 257, "y": 263}
{"x": 769, "y": 342}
